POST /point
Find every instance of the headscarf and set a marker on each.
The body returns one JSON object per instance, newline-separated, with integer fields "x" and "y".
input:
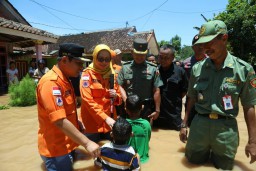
{"x": 109, "y": 70}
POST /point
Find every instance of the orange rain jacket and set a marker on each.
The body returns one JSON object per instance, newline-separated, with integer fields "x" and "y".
{"x": 55, "y": 100}
{"x": 95, "y": 106}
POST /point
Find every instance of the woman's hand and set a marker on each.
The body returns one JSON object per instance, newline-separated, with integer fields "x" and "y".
{"x": 110, "y": 122}
{"x": 112, "y": 93}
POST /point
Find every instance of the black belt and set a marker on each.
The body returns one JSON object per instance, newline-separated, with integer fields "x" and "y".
{"x": 215, "y": 116}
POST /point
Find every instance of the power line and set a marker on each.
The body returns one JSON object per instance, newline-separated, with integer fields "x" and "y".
{"x": 149, "y": 12}
{"x": 76, "y": 15}
{"x": 57, "y": 26}
{"x": 54, "y": 14}
{"x": 191, "y": 12}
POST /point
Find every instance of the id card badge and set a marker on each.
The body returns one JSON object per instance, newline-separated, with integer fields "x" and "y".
{"x": 227, "y": 100}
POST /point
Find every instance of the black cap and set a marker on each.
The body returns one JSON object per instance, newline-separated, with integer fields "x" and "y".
{"x": 195, "y": 39}
{"x": 140, "y": 46}
{"x": 72, "y": 50}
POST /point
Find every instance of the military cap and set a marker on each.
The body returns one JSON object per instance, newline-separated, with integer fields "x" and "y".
{"x": 140, "y": 46}
{"x": 195, "y": 39}
{"x": 72, "y": 50}
{"x": 210, "y": 30}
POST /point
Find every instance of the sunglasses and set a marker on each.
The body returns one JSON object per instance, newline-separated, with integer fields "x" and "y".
{"x": 104, "y": 59}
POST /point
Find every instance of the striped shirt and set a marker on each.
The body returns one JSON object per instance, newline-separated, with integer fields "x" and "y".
{"x": 118, "y": 157}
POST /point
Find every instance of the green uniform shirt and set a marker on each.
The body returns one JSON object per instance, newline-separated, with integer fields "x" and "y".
{"x": 139, "y": 79}
{"x": 208, "y": 86}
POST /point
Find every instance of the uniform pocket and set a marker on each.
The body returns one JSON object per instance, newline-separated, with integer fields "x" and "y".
{"x": 97, "y": 90}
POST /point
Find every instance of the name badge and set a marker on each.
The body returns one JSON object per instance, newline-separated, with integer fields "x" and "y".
{"x": 227, "y": 100}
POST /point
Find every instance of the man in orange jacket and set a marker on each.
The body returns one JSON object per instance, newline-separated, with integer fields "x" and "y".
{"x": 59, "y": 134}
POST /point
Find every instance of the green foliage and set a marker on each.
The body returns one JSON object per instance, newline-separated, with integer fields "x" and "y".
{"x": 163, "y": 42}
{"x": 186, "y": 51}
{"x": 176, "y": 43}
{"x": 24, "y": 93}
{"x": 240, "y": 18}
{"x": 3, "y": 107}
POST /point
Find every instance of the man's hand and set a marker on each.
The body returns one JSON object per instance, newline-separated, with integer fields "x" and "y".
{"x": 183, "y": 135}
{"x": 93, "y": 149}
{"x": 154, "y": 115}
{"x": 250, "y": 150}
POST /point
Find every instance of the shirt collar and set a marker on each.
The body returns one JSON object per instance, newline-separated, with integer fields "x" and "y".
{"x": 59, "y": 73}
{"x": 134, "y": 63}
{"x": 228, "y": 62}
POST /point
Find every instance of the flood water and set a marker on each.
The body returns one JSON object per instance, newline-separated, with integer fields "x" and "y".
{"x": 18, "y": 146}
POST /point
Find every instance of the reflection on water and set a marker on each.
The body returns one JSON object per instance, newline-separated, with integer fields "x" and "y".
{"x": 18, "y": 146}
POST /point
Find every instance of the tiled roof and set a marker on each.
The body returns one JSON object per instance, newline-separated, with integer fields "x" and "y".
{"x": 4, "y": 23}
{"x": 116, "y": 38}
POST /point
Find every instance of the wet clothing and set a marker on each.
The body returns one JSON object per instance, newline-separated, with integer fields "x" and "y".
{"x": 95, "y": 106}
{"x": 55, "y": 100}
{"x": 188, "y": 64}
{"x": 140, "y": 79}
{"x": 140, "y": 140}
{"x": 217, "y": 94}
{"x": 118, "y": 157}
{"x": 175, "y": 84}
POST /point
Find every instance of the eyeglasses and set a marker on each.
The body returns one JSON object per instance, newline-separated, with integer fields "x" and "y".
{"x": 104, "y": 59}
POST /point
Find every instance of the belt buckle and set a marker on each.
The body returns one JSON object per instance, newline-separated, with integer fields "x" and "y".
{"x": 213, "y": 116}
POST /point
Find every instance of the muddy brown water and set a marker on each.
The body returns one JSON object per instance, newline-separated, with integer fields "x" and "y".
{"x": 18, "y": 146}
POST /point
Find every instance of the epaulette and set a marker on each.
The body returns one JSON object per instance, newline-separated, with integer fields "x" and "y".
{"x": 128, "y": 62}
{"x": 152, "y": 64}
{"x": 54, "y": 77}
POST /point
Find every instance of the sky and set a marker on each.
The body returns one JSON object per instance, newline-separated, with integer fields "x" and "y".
{"x": 166, "y": 17}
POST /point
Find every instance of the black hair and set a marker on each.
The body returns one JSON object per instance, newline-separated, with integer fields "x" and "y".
{"x": 133, "y": 104}
{"x": 60, "y": 57}
{"x": 150, "y": 54}
{"x": 121, "y": 131}
{"x": 168, "y": 46}
{"x": 12, "y": 62}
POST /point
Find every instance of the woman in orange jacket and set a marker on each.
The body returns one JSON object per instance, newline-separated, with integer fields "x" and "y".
{"x": 98, "y": 95}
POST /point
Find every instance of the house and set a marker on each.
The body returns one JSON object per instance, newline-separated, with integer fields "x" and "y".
{"x": 15, "y": 34}
{"x": 121, "y": 38}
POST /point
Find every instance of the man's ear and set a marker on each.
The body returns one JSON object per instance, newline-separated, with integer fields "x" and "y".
{"x": 225, "y": 37}
{"x": 64, "y": 59}
{"x": 111, "y": 134}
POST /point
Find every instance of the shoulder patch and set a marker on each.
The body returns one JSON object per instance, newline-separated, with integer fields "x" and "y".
{"x": 253, "y": 82}
{"x": 128, "y": 62}
{"x": 56, "y": 91}
{"x": 59, "y": 101}
{"x": 152, "y": 64}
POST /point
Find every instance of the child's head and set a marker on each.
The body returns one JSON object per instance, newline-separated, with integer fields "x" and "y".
{"x": 121, "y": 131}
{"x": 133, "y": 105}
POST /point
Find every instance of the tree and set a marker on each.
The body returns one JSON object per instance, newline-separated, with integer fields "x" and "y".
{"x": 162, "y": 42}
{"x": 186, "y": 51}
{"x": 176, "y": 43}
{"x": 240, "y": 18}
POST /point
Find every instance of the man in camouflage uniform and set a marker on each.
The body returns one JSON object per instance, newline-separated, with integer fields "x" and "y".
{"x": 142, "y": 78}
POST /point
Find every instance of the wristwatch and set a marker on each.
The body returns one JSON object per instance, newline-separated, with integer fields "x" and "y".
{"x": 183, "y": 125}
